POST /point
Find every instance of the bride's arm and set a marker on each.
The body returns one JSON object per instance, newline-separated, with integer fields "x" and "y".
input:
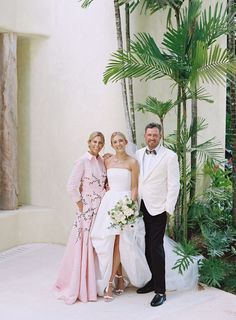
{"x": 134, "y": 179}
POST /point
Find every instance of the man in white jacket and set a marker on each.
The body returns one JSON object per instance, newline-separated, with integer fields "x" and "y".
{"x": 158, "y": 193}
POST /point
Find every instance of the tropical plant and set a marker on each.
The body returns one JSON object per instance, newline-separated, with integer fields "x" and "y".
{"x": 187, "y": 253}
{"x": 229, "y": 281}
{"x": 232, "y": 100}
{"x": 213, "y": 271}
{"x": 211, "y": 229}
{"x": 212, "y": 209}
{"x": 206, "y": 151}
{"x": 160, "y": 108}
{"x": 189, "y": 56}
{"x": 212, "y": 232}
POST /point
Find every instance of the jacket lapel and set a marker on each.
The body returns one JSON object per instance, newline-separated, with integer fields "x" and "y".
{"x": 161, "y": 153}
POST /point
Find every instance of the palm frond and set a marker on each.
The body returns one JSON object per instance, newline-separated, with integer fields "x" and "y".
{"x": 200, "y": 126}
{"x": 213, "y": 24}
{"x": 144, "y": 60}
{"x": 173, "y": 37}
{"x": 160, "y": 108}
{"x": 209, "y": 150}
{"x": 199, "y": 94}
{"x": 218, "y": 63}
{"x": 178, "y": 40}
{"x": 132, "y": 4}
{"x": 152, "y": 6}
{"x": 85, "y": 3}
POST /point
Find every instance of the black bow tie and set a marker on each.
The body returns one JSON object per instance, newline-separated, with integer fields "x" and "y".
{"x": 150, "y": 151}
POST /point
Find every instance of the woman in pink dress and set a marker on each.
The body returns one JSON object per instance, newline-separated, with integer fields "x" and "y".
{"x": 76, "y": 279}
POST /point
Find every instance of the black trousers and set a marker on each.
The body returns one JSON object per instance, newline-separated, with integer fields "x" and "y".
{"x": 155, "y": 227}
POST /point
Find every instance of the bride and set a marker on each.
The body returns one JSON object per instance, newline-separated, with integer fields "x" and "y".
{"x": 122, "y": 252}
{"x": 119, "y": 251}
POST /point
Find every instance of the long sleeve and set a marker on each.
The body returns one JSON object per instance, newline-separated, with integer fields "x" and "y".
{"x": 173, "y": 184}
{"x": 74, "y": 182}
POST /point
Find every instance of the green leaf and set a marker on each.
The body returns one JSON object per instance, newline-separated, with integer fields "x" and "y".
{"x": 145, "y": 60}
{"x": 160, "y": 108}
{"x": 85, "y": 3}
{"x": 186, "y": 251}
{"x": 213, "y": 271}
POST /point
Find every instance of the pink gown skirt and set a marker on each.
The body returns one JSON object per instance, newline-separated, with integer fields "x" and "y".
{"x": 76, "y": 278}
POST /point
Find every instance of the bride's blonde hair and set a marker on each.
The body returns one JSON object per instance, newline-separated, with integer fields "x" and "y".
{"x": 118, "y": 133}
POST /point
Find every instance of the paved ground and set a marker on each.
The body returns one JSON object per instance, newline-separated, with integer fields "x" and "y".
{"x": 27, "y": 273}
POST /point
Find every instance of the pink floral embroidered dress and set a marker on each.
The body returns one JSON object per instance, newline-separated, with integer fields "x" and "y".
{"x": 76, "y": 279}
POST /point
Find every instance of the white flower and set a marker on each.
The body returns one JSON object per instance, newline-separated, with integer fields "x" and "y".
{"x": 124, "y": 213}
{"x": 128, "y": 212}
{"x": 124, "y": 207}
{"x": 119, "y": 216}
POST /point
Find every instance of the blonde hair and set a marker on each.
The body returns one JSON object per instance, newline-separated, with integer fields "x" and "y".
{"x": 96, "y": 134}
{"x": 117, "y": 133}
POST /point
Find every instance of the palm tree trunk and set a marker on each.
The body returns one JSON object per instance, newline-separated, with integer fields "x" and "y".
{"x": 177, "y": 15}
{"x": 184, "y": 169}
{"x": 163, "y": 132}
{"x": 193, "y": 153}
{"x": 232, "y": 49}
{"x": 123, "y": 82}
{"x": 130, "y": 80}
{"x": 178, "y": 204}
{"x": 193, "y": 159}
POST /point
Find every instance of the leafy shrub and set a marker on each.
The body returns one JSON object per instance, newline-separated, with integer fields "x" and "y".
{"x": 213, "y": 271}
{"x": 211, "y": 229}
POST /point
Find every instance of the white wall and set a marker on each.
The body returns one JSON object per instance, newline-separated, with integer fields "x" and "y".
{"x": 26, "y": 16}
{"x": 62, "y": 53}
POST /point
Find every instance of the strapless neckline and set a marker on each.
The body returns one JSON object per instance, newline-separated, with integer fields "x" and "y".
{"x": 113, "y": 168}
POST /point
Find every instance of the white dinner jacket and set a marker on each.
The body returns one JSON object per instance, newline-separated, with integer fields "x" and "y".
{"x": 159, "y": 188}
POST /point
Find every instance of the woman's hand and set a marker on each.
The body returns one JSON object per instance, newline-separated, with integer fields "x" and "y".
{"x": 80, "y": 205}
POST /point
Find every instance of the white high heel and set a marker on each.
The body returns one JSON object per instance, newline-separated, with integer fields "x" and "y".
{"x": 106, "y": 296}
{"x": 121, "y": 291}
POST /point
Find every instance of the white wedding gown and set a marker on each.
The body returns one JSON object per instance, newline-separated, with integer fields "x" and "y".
{"x": 132, "y": 243}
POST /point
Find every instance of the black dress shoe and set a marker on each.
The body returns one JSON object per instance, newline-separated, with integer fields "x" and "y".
{"x": 158, "y": 300}
{"x": 146, "y": 289}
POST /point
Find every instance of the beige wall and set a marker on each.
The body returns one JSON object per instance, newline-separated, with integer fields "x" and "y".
{"x": 62, "y": 53}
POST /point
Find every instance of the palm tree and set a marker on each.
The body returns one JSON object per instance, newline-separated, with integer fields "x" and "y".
{"x": 130, "y": 80}
{"x": 189, "y": 57}
{"x": 160, "y": 108}
{"x": 232, "y": 101}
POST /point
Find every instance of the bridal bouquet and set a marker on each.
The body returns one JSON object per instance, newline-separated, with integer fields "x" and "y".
{"x": 124, "y": 213}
